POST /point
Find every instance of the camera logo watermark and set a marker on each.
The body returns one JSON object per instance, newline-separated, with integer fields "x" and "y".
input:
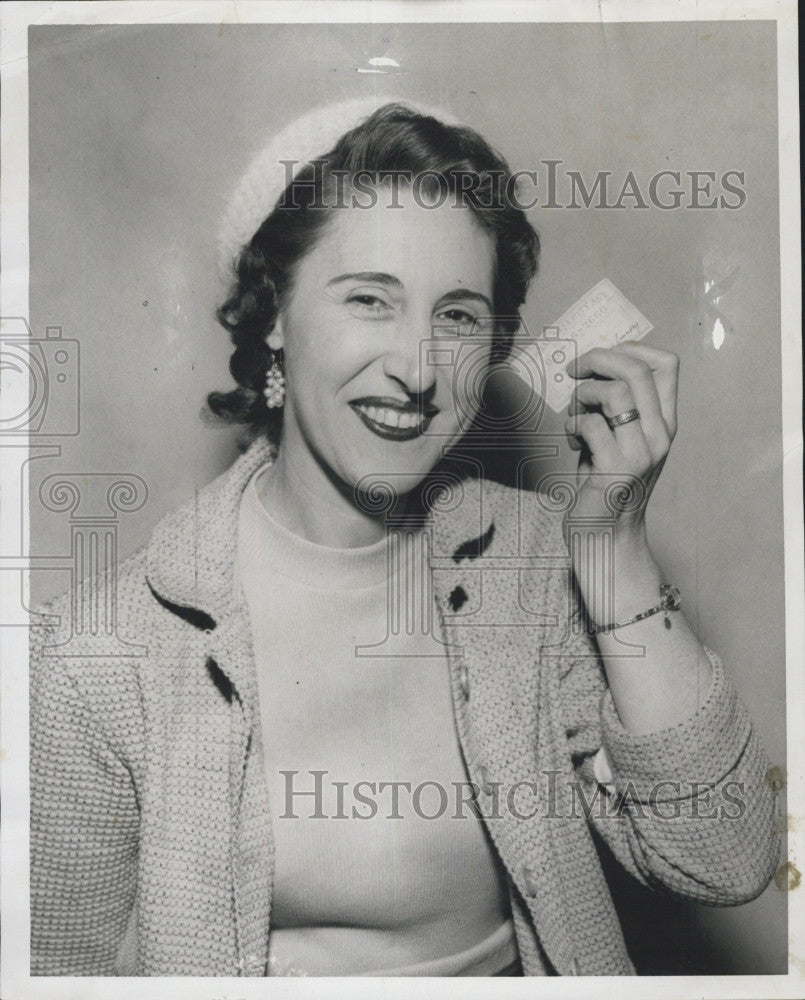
{"x": 41, "y": 381}
{"x": 41, "y": 403}
{"x": 602, "y": 317}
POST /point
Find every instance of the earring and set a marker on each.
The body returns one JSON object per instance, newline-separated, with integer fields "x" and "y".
{"x": 274, "y": 391}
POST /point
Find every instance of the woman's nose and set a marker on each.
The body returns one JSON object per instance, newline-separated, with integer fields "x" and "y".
{"x": 406, "y": 357}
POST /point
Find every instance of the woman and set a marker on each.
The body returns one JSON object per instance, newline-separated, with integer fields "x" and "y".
{"x": 293, "y": 781}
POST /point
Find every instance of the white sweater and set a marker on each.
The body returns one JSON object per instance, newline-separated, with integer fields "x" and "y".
{"x": 363, "y": 883}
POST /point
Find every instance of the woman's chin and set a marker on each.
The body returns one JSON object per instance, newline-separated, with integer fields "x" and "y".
{"x": 400, "y": 469}
{"x": 381, "y": 488}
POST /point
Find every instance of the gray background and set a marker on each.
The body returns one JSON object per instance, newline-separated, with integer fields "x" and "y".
{"x": 137, "y": 135}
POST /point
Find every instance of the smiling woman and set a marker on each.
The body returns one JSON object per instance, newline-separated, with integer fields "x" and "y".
{"x": 353, "y": 610}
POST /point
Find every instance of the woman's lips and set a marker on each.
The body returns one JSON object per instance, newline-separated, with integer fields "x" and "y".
{"x": 393, "y": 420}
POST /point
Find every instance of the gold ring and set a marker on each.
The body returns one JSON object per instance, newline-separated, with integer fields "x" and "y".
{"x": 623, "y": 418}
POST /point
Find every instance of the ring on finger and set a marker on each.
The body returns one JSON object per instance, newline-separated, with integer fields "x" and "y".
{"x": 623, "y": 418}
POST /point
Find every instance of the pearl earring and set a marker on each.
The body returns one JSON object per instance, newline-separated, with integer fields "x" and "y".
{"x": 274, "y": 391}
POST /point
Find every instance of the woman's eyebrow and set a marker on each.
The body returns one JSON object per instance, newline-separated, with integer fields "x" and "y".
{"x": 381, "y": 278}
{"x": 466, "y": 295}
{"x": 373, "y": 277}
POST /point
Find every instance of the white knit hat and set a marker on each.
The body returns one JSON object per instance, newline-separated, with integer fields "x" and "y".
{"x": 305, "y": 138}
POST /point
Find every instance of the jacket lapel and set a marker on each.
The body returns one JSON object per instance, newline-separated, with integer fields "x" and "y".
{"x": 190, "y": 563}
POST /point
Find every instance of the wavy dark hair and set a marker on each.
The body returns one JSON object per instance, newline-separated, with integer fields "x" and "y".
{"x": 395, "y": 140}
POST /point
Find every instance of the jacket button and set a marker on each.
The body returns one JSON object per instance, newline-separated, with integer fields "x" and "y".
{"x": 529, "y": 881}
{"x": 464, "y": 682}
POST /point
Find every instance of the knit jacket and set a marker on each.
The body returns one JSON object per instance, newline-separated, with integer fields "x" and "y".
{"x": 151, "y": 843}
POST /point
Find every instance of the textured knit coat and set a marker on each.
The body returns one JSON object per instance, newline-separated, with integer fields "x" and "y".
{"x": 151, "y": 830}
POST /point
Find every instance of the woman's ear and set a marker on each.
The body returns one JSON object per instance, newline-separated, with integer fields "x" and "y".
{"x": 276, "y": 339}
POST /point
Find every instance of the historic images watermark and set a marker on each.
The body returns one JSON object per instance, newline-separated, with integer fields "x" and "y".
{"x": 317, "y": 795}
{"x": 553, "y": 186}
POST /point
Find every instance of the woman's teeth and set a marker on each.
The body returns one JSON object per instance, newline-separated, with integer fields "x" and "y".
{"x": 390, "y": 418}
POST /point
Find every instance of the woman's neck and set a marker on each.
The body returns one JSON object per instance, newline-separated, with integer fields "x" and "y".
{"x": 309, "y": 504}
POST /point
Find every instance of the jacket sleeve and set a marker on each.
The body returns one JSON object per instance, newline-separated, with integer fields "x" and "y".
{"x": 84, "y": 823}
{"x": 690, "y": 808}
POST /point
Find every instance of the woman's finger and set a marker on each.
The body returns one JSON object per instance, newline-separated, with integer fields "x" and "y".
{"x": 614, "y": 397}
{"x": 665, "y": 367}
{"x": 592, "y": 429}
{"x": 620, "y": 365}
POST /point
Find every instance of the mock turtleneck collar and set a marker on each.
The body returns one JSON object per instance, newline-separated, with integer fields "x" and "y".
{"x": 321, "y": 566}
{"x": 191, "y": 557}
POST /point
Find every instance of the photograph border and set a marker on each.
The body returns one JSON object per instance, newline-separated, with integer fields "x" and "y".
{"x": 15, "y": 980}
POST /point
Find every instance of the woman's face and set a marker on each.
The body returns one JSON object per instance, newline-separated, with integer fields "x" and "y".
{"x": 365, "y": 393}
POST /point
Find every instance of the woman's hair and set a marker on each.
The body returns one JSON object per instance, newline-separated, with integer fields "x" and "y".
{"x": 441, "y": 160}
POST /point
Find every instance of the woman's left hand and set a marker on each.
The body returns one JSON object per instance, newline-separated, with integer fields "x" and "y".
{"x": 615, "y": 381}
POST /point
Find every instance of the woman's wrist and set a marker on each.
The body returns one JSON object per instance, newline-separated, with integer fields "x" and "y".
{"x": 669, "y": 600}
{"x": 617, "y": 579}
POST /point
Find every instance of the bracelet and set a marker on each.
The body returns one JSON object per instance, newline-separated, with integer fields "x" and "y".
{"x": 670, "y": 600}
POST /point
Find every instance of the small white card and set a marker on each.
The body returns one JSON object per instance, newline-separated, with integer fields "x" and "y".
{"x": 602, "y": 317}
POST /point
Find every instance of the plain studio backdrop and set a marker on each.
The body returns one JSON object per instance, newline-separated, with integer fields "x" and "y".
{"x": 139, "y": 133}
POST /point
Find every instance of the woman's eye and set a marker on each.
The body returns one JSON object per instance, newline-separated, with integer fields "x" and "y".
{"x": 369, "y": 303}
{"x": 457, "y": 318}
